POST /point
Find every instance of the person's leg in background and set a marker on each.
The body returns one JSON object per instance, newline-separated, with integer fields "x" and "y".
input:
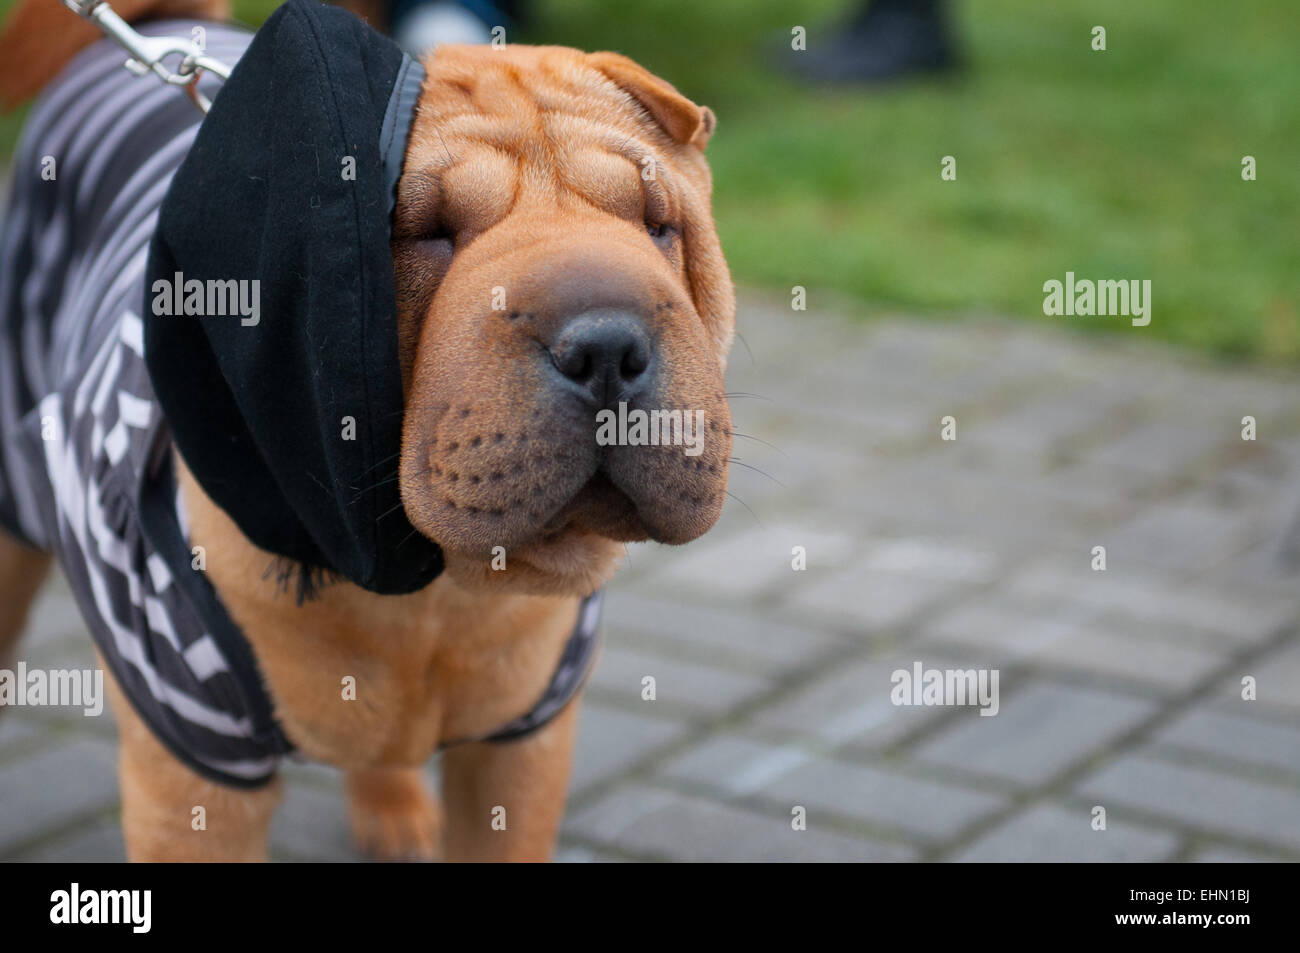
{"x": 883, "y": 40}
{"x": 420, "y": 25}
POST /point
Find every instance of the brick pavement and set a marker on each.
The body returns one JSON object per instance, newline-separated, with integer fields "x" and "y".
{"x": 1119, "y": 689}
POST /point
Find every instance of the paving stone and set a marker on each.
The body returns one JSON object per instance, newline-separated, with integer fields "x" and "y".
{"x": 16, "y": 729}
{"x": 746, "y": 640}
{"x": 1241, "y": 617}
{"x": 733, "y": 765}
{"x": 772, "y": 340}
{"x": 671, "y": 825}
{"x": 610, "y": 741}
{"x": 969, "y": 554}
{"x": 1263, "y": 506}
{"x": 68, "y": 718}
{"x": 953, "y": 492}
{"x": 1140, "y": 374}
{"x": 311, "y": 825}
{"x": 1277, "y": 683}
{"x": 851, "y": 704}
{"x": 1229, "y": 855}
{"x": 1237, "y": 737}
{"x": 1182, "y": 537}
{"x": 867, "y": 602}
{"x": 1070, "y": 639}
{"x": 296, "y": 769}
{"x": 1044, "y": 427}
{"x": 1055, "y": 834}
{"x": 1109, "y": 651}
{"x": 1268, "y": 567}
{"x": 1169, "y": 633}
{"x": 1209, "y": 800}
{"x": 53, "y": 787}
{"x": 53, "y": 619}
{"x": 1135, "y": 486}
{"x": 1163, "y": 447}
{"x": 1070, "y": 356}
{"x": 925, "y": 809}
{"x": 1221, "y": 400}
{"x": 573, "y": 854}
{"x": 942, "y": 558}
{"x": 744, "y": 567}
{"x": 807, "y": 465}
{"x": 1038, "y": 732}
{"x": 960, "y": 366}
{"x": 682, "y": 688}
{"x": 1002, "y": 629}
{"x": 815, "y": 405}
{"x": 740, "y": 767}
{"x": 98, "y": 843}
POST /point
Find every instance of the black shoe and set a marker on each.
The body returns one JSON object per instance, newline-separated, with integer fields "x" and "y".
{"x": 887, "y": 40}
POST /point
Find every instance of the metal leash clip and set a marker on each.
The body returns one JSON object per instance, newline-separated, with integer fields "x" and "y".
{"x": 147, "y": 53}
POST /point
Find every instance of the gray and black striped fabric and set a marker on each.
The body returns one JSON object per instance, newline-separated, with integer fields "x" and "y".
{"x": 84, "y": 449}
{"x": 85, "y": 456}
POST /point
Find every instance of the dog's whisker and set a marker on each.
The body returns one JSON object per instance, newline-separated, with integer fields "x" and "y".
{"x": 363, "y": 492}
{"x": 752, "y": 362}
{"x": 376, "y": 466}
{"x": 741, "y": 463}
{"x": 746, "y": 506}
{"x": 737, "y": 433}
{"x": 743, "y": 394}
{"x": 406, "y": 539}
{"x": 442, "y": 142}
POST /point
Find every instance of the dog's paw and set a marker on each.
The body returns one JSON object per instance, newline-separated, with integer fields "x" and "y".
{"x": 394, "y": 814}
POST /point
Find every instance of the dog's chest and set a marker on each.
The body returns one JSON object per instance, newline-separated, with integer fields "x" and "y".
{"x": 358, "y": 678}
{"x": 356, "y": 682}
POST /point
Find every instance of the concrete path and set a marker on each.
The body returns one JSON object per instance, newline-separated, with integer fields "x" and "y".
{"x": 1118, "y": 689}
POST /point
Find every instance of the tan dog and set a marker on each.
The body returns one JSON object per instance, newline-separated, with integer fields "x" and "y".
{"x": 525, "y": 171}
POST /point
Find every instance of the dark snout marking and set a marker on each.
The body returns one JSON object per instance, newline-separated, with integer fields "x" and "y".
{"x": 602, "y": 357}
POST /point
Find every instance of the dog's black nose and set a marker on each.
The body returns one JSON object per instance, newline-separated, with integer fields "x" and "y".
{"x": 603, "y": 355}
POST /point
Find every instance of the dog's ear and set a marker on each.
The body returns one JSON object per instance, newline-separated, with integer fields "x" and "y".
{"x": 680, "y": 118}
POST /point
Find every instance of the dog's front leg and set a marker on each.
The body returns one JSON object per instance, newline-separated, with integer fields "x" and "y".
{"x": 394, "y": 813}
{"x": 504, "y": 801}
{"x": 169, "y": 813}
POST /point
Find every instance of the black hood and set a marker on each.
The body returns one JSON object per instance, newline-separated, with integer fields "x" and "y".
{"x": 292, "y": 424}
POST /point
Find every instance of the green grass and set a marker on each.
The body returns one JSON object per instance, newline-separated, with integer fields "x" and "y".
{"x": 1121, "y": 164}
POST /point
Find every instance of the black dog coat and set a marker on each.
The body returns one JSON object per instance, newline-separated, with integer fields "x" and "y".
{"x": 117, "y": 206}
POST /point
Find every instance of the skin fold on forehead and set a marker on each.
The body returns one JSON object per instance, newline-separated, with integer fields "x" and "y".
{"x": 496, "y": 128}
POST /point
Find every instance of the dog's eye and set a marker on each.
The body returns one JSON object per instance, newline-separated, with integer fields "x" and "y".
{"x": 659, "y": 231}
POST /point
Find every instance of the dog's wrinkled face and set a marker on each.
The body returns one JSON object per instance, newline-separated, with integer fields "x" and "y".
{"x": 557, "y": 267}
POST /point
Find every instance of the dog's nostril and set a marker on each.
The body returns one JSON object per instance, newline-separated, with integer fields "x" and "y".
{"x": 605, "y": 352}
{"x": 575, "y": 364}
{"x": 635, "y": 361}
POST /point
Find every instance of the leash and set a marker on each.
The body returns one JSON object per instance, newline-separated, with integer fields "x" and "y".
{"x": 147, "y": 53}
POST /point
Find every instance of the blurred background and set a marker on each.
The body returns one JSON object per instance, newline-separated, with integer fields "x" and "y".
{"x": 837, "y": 186}
{"x": 1121, "y": 688}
